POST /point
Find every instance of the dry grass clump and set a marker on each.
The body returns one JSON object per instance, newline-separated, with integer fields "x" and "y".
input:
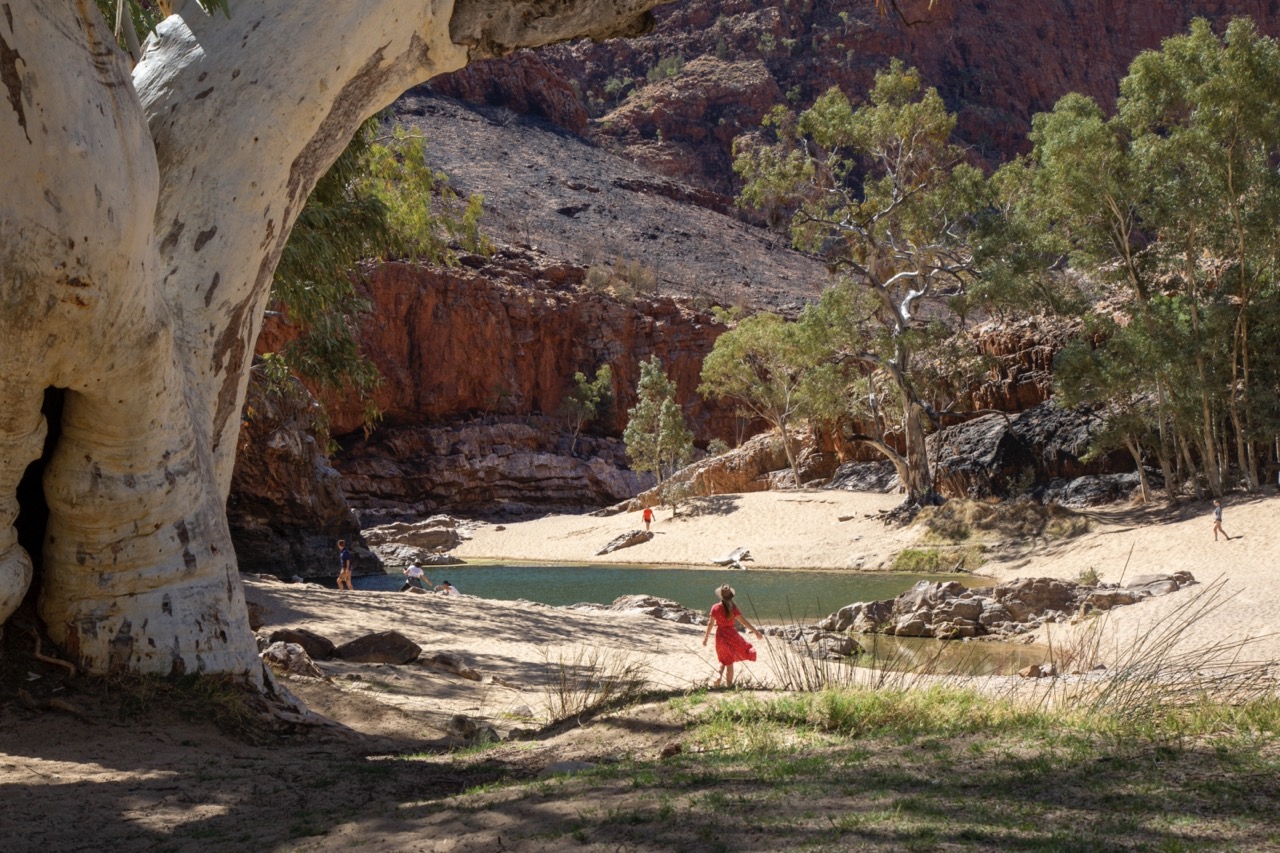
{"x": 961, "y": 519}
{"x": 1143, "y": 678}
{"x": 585, "y": 681}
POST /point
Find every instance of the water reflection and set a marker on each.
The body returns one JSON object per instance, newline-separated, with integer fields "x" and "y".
{"x": 767, "y": 596}
{"x": 947, "y": 657}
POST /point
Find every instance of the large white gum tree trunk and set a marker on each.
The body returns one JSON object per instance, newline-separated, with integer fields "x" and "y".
{"x": 141, "y": 217}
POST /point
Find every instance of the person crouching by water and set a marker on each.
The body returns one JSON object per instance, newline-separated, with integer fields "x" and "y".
{"x": 416, "y": 579}
{"x": 730, "y": 646}
{"x": 447, "y": 588}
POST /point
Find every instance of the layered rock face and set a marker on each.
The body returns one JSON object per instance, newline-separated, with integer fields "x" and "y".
{"x": 476, "y": 362}
{"x": 506, "y": 339}
{"x": 511, "y": 466}
{"x": 287, "y": 508}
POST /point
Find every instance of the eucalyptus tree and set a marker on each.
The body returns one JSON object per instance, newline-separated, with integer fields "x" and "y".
{"x": 765, "y": 365}
{"x": 1204, "y": 116}
{"x": 881, "y": 193}
{"x": 380, "y": 200}
{"x": 143, "y": 210}
{"x": 1175, "y": 198}
{"x": 589, "y": 400}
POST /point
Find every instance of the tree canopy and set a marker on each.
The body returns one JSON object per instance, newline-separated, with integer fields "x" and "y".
{"x": 1174, "y": 199}
{"x": 881, "y": 192}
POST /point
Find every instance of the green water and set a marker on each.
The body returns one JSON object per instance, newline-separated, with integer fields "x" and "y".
{"x": 766, "y": 595}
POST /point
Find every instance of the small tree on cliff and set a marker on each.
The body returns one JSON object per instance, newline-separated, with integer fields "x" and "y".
{"x": 381, "y": 200}
{"x": 884, "y": 196}
{"x": 589, "y": 400}
{"x": 657, "y": 437}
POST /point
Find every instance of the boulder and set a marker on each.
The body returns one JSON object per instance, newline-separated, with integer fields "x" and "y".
{"x": 1026, "y": 598}
{"x": 291, "y": 658}
{"x": 1038, "y": 670}
{"x": 949, "y": 611}
{"x": 381, "y": 647}
{"x": 658, "y": 608}
{"x": 316, "y": 646}
{"x": 626, "y": 540}
{"x": 449, "y": 663}
{"x": 435, "y": 534}
{"x": 472, "y": 730}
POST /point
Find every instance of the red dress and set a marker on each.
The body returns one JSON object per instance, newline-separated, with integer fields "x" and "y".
{"x": 730, "y": 646}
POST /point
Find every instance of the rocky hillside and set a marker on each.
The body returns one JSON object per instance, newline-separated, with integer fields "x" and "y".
{"x": 575, "y": 202}
{"x": 673, "y": 100}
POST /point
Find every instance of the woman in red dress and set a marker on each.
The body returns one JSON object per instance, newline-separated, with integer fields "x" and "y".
{"x": 730, "y": 647}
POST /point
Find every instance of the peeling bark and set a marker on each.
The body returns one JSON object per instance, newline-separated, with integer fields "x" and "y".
{"x": 141, "y": 219}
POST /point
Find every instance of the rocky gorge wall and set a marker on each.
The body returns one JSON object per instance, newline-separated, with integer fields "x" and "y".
{"x": 505, "y": 340}
{"x": 476, "y": 361}
{"x": 675, "y": 99}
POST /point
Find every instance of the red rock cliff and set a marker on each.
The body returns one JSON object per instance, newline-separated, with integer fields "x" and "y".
{"x": 995, "y": 64}
{"x": 504, "y": 340}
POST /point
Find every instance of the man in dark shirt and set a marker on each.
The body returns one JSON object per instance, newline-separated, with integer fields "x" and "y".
{"x": 344, "y": 565}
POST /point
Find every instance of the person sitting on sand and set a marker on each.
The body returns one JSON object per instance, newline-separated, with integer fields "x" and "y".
{"x": 415, "y": 578}
{"x": 1217, "y": 522}
{"x": 447, "y": 588}
{"x": 730, "y": 647}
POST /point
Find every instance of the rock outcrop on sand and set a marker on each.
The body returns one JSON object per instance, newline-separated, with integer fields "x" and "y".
{"x": 437, "y": 533}
{"x": 947, "y": 610}
{"x": 626, "y": 540}
{"x": 649, "y": 605}
{"x": 816, "y": 642}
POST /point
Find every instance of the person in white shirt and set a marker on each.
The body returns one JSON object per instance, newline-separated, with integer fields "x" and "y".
{"x": 448, "y": 588}
{"x": 415, "y": 578}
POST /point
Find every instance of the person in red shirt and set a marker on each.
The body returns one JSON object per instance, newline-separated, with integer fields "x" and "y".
{"x": 648, "y": 517}
{"x": 730, "y": 646}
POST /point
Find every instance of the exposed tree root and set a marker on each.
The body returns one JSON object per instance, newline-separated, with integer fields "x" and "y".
{"x": 67, "y": 665}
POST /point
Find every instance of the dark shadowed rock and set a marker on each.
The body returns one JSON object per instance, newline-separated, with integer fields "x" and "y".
{"x": 316, "y": 646}
{"x": 381, "y": 647}
{"x": 286, "y": 508}
{"x": 877, "y": 477}
{"x": 1000, "y": 455}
